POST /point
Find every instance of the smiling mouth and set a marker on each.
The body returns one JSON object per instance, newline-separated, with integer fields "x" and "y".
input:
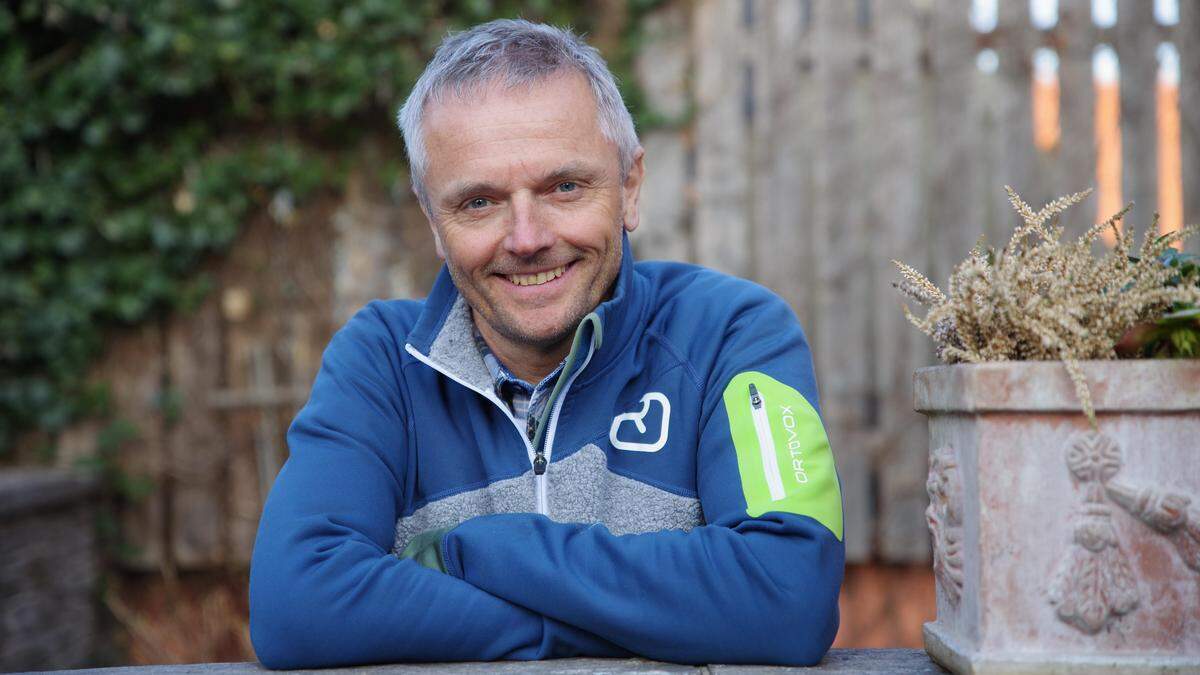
{"x": 536, "y": 279}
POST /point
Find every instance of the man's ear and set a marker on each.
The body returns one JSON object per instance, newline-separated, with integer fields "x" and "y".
{"x": 632, "y": 189}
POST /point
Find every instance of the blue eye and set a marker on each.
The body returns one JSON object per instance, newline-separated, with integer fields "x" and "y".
{"x": 567, "y": 186}
{"x": 477, "y": 203}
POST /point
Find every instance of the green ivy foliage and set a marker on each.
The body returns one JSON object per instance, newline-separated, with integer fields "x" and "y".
{"x": 136, "y": 137}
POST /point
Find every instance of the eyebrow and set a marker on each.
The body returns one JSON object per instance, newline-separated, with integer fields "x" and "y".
{"x": 578, "y": 170}
{"x": 459, "y": 193}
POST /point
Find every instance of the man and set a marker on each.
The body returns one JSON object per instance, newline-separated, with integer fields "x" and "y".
{"x": 558, "y": 452}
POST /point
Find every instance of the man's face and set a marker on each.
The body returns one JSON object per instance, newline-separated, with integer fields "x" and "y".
{"x": 527, "y": 204}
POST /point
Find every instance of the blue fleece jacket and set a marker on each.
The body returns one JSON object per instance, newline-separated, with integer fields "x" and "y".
{"x": 689, "y": 508}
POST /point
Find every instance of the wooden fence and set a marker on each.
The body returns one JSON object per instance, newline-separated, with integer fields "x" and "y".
{"x": 818, "y": 140}
{"x": 811, "y": 143}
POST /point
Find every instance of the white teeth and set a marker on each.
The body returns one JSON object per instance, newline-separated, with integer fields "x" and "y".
{"x": 537, "y": 279}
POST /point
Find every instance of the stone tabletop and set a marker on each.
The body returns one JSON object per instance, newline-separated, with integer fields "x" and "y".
{"x": 841, "y": 661}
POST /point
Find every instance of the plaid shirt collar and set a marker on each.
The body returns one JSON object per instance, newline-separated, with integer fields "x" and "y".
{"x": 526, "y": 401}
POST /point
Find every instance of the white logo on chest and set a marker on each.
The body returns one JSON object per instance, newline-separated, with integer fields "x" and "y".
{"x": 638, "y": 419}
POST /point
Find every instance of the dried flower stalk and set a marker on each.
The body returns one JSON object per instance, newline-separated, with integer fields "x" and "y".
{"x": 1042, "y": 299}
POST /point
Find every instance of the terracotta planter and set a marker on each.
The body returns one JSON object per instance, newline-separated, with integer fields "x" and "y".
{"x": 1056, "y": 548}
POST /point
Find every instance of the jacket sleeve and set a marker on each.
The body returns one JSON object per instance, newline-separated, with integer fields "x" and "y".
{"x": 758, "y": 583}
{"x": 324, "y": 587}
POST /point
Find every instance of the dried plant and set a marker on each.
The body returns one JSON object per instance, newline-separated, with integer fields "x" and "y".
{"x": 1041, "y": 299}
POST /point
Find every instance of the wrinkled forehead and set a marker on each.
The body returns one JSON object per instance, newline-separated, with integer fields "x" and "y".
{"x": 500, "y": 124}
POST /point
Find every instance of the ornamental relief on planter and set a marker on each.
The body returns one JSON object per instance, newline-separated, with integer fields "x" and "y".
{"x": 1171, "y": 514}
{"x": 944, "y": 516}
{"x": 1094, "y": 583}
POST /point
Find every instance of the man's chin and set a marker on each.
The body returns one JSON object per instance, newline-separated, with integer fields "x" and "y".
{"x": 538, "y": 332}
{"x": 543, "y": 339}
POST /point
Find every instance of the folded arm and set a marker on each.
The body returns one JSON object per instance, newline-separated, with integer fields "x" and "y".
{"x": 325, "y": 588}
{"x": 758, "y": 593}
{"x": 757, "y": 584}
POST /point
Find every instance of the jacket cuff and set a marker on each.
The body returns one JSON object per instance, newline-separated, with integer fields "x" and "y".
{"x": 452, "y": 555}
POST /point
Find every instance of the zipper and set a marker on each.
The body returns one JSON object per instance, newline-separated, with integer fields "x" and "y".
{"x": 539, "y": 477}
{"x": 766, "y": 445}
{"x": 537, "y": 458}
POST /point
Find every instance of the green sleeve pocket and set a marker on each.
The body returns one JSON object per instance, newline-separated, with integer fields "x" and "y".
{"x": 782, "y": 451}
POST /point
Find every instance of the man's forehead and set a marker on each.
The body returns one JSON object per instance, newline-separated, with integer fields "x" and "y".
{"x": 555, "y": 96}
{"x": 532, "y": 130}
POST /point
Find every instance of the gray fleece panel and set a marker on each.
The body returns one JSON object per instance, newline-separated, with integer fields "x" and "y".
{"x": 581, "y": 489}
{"x": 513, "y": 495}
{"x": 454, "y": 348}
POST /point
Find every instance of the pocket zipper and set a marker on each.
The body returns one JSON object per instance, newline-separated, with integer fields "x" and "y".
{"x": 766, "y": 445}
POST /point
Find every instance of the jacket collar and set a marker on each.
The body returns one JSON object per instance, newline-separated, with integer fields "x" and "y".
{"x": 443, "y": 330}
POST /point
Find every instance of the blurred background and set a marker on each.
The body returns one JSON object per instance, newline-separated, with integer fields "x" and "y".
{"x": 194, "y": 196}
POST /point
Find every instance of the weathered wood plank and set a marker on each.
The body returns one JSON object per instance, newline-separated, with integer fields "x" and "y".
{"x": 662, "y": 233}
{"x": 986, "y": 212}
{"x": 245, "y": 498}
{"x": 786, "y": 132}
{"x": 134, "y": 373}
{"x": 1019, "y": 167}
{"x": 723, "y": 174}
{"x": 198, "y": 453}
{"x": 959, "y": 145}
{"x": 958, "y": 179}
{"x": 1076, "y": 166}
{"x": 1187, "y": 40}
{"x": 1045, "y": 88}
{"x": 365, "y": 250}
{"x": 1136, "y": 40}
{"x": 838, "y": 210}
{"x": 768, "y": 258}
{"x": 895, "y": 226}
{"x": 842, "y": 340}
{"x": 662, "y": 68}
{"x": 244, "y": 504}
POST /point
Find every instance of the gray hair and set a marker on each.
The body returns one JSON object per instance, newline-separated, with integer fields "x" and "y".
{"x": 515, "y": 52}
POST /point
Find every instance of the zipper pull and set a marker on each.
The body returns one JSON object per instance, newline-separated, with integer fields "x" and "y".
{"x": 539, "y": 463}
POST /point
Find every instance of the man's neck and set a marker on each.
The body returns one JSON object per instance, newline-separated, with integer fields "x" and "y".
{"x": 530, "y": 363}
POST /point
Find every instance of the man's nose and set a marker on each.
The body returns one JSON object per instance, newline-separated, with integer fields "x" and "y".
{"x": 528, "y": 232}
